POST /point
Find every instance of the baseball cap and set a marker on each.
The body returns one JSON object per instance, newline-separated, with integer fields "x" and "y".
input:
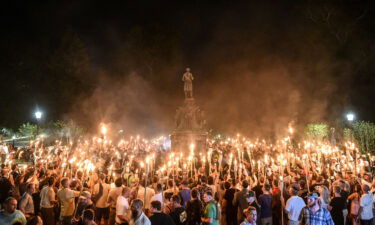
{"x": 312, "y": 195}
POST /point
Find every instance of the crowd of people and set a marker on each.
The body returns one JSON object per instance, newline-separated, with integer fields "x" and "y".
{"x": 212, "y": 192}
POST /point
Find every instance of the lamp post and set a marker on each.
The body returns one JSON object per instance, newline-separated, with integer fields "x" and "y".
{"x": 350, "y": 117}
{"x": 38, "y": 115}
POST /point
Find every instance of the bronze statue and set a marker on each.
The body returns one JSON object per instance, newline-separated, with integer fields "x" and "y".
{"x": 188, "y": 78}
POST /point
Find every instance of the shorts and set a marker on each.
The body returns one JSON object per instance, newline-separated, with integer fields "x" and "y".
{"x": 102, "y": 213}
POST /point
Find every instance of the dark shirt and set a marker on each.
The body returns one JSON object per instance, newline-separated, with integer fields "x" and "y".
{"x": 161, "y": 219}
{"x": 194, "y": 210}
{"x": 176, "y": 215}
{"x": 338, "y": 204}
{"x": 265, "y": 202}
{"x": 229, "y": 196}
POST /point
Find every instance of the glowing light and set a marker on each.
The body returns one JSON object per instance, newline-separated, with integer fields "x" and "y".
{"x": 38, "y": 115}
{"x": 350, "y": 117}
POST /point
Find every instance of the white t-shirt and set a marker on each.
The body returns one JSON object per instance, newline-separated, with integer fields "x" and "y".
{"x": 366, "y": 203}
{"x": 294, "y": 205}
{"x": 122, "y": 207}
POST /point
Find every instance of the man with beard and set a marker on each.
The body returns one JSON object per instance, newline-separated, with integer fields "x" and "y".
{"x": 138, "y": 217}
{"x": 11, "y": 215}
{"x": 314, "y": 214}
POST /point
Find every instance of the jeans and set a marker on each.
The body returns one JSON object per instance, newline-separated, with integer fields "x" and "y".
{"x": 366, "y": 222}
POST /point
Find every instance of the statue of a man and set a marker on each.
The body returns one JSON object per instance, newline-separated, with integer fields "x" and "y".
{"x": 188, "y": 87}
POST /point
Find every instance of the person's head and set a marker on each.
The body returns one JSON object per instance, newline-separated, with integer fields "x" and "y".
{"x": 312, "y": 199}
{"x": 266, "y": 188}
{"x": 294, "y": 189}
{"x": 203, "y": 179}
{"x": 365, "y": 188}
{"x": 207, "y": 196}
{"x": 226, "y": 185}
{"x": 194, "y": 193}
{"x": 101, "y": 178}
{"x": 245, "y": 184}
{"x": 65, "y": 182}
{"x": 136, "y": 207}
{"x": 30, "y": 188}
{"x": 155, "y": 206}
{"x": 336, "y": 189}
{"x": 168, "y": 196}
{"x": 50, "y": 181}
{"x": 176, "y": 199}
{"x": 125, "y": 192}
{"x": 35, "y": 220}
{"x": 10, "y": 205}
{"x": 250, "y": 197}
{"x": 159, "y": 188}
{"x": 118, "y": 182}
{"x": 88, "y": 215}
{"x": 185, "y": 183}
{"x": 250, "y": 214}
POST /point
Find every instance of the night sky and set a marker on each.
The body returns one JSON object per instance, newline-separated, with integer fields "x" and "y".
{"x": 258, "y": 65}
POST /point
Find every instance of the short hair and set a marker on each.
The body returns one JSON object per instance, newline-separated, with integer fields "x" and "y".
{"x": 9, "y": 199}
{"x": 64, "y": 181}
{"x": 50, "y": 181}
{"x": 176, "y": 198}
{"x": 194, "y": 193}
{"x": 365, "y": 187}
{"x": 295, "y": 189}
{"x": 226, "y": 185}
{"x": 245, "y": 184}
{"x": 88, "y": 214}
{"x": 204, "y": 179}
{"x": 267, "y": 187}
{"x": 138, "y": 203}
{"x": 249, "y": 209}
{"x": 118, "y": 182}
{"x": 168, "y": 195}
{"x": 156, "y": 205}
{"x": 336, "y": 189}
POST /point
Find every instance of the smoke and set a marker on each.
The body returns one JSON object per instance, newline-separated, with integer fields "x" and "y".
{"x": 253, "y": 76}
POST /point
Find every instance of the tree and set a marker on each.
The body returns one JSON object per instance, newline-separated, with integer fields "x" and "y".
{"x": 364, "y": 134}
{"x": 27, "y": 130}
{"x": 316, "y": 131}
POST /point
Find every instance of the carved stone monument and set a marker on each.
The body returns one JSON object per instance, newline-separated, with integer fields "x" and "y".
{"x": 190, "y": 124}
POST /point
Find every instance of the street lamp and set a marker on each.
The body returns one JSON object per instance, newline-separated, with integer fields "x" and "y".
{"x": 38, "y": 115}
{"x": 350, "y": 117}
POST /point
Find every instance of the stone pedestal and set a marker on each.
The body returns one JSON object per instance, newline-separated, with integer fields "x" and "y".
{"x": 189, "y": 128}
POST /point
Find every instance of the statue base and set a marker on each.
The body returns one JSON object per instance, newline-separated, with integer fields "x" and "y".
{"x": 182, "y": 140}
